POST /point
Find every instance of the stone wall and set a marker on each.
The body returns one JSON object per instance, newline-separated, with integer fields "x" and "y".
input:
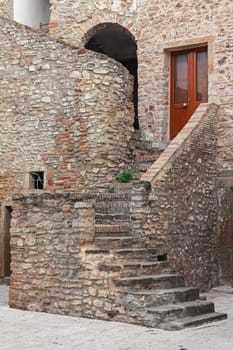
{"x": 224, "y": 225}
{"x": 158, "y": 30}
{"x": 63, "y": 110}
{"x": 74, "y": 18}
{"x": 183, "y": 200}
{"x": 47, "y": 232}
{"x": 51, "y": 271}
{"x": 175, "y": 24}
{"x": 6, "y": 8}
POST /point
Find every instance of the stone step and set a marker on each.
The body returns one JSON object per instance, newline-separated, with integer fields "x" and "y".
{"x": 144, "y": 145}
{"x": 126, "y": 269}
{"x": 126, "y": 187}
{"x": 97, "y": 251}
{"x": 170, "y": 312}
{"x": 111, "y": 228}
{"x": 192, "y": 321}
{"x": 146, "y": 157}
{"x": 118, "y": 241}
{"x": 151, "y": 281}
{"x": 123, "y": 187}
{"x": 109, "y": 219}
{"x": 128, "y": 254}
{"x": 124, "y": 196}
{"x": 166, "y": 296}
{"x": 137, "y": 176}
{"x": 112, "y": 207}
{"x": 140, "y": 254}
{"x": 143, "y": 167}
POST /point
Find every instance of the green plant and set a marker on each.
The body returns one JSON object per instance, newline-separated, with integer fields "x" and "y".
{"x": 125, "y": 176}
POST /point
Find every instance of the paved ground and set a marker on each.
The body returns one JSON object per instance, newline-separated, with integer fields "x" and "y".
{"x": 23, "y": 330}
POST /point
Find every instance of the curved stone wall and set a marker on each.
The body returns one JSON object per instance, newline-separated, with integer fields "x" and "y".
{"x": 63, "y": 110}
{"x": 158, "y": 29}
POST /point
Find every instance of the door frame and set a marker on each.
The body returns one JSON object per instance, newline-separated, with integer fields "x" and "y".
{"x": 205, "y": 45}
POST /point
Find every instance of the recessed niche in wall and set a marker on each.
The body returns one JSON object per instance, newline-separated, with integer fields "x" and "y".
{"x": 33, "y": 13}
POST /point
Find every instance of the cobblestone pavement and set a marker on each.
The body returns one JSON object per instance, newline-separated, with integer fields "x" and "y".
{"x": 24, "y": 330}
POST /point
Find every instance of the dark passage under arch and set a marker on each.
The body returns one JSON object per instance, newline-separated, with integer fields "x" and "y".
{"x": 118, "y": 43}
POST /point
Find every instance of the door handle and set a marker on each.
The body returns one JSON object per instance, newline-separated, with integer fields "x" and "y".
{"x": 185, "y": 104}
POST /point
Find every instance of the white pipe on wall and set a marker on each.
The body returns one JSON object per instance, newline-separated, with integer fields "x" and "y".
{"x": 33, "y": 13}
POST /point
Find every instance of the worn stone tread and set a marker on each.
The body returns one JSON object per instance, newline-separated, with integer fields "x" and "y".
{"x": 145, "y": 263}
{"x": 124, "y": 281}
{"x": 112, "y": 204}
{"x": 164, "y": 276}
{"x": 139, "y": 250}
{"x": 137, "y": 264}
{"x": 97, "y": 251}
{"x": 122, "y": 251}
{"x": 163, "y": 291}
{"x": 192, "y": 321}
{"x": 109, "y": 219}
{"x": 166, "y": 308}
{"x": 136, "y": 253}
{"x": 115, "y": 238}
{"x": 119, "y": 196}
{"x": 111, "y": 227}
{"x": 190, "y": 308}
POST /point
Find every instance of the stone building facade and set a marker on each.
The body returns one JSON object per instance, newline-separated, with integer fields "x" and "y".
{"x": 92, "y": 93}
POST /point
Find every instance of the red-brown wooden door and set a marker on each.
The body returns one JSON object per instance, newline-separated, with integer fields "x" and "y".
{"x": 189, "y": 86}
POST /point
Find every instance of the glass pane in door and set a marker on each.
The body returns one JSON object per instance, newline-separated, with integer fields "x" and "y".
{"x": 181, "y": 78}
{"x": 202, "y": 76}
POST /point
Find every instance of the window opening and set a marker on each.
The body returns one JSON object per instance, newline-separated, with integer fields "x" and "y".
{"x": 37, "y": 180}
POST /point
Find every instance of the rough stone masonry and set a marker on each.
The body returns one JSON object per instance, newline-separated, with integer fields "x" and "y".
{"x": 68, "y": 112}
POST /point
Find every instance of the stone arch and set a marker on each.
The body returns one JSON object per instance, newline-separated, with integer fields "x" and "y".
{"x": 117, "y": 42}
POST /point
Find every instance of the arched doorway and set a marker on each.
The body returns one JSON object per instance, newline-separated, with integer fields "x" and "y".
{"x": 118, "y": 43}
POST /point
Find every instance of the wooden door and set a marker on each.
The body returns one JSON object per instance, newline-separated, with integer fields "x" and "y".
{"x": 189, "y": 86}
{"x": 5, "y": 243}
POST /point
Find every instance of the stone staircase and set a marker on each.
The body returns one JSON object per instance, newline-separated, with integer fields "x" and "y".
{"x": 144, "y": 284}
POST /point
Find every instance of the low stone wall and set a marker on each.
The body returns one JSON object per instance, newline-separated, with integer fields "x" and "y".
{"x": 182, "y": 202}
{"x": 51, "y": 271}
{"x": 47, "y": 232}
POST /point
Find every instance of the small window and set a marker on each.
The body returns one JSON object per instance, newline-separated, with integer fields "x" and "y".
{"x": 37, "y": 180}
